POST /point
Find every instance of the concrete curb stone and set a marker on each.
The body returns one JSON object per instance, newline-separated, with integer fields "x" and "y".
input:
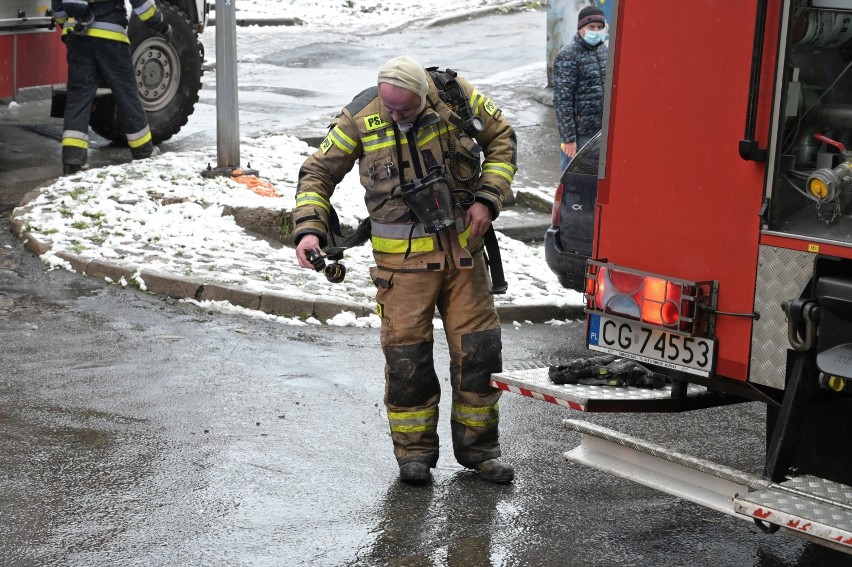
{"x": 78, "y": 263}
{"x": 98, "y": 268}
{"x": 177, "y": 287}
{"x": 34, "y": 245}
{"x": 538, "y": 313}
{"x": 231, "y": 294}
{"x": 324, "y": 309}
{"x": 285, "y": 306}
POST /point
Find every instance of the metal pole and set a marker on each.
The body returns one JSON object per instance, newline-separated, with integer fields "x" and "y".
{"x": 227, "y": 107}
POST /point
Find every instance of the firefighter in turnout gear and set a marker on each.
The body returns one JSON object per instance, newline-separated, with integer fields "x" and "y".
{"x": 435, "y": 169}
{"x": 98, "y": 51}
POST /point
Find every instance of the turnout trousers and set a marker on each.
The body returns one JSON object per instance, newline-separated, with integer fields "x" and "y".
{"x": 406, "y": 303}
{"x": 91, "y": 62}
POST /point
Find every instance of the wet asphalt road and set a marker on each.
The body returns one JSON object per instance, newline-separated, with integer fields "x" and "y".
{"x": 136, "y": 430}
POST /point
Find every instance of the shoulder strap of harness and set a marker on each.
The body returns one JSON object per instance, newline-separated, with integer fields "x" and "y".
{"x": 453, "y": 95}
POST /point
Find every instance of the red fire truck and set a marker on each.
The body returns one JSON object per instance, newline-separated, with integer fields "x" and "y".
{"x": 722, "y": 251}
{"x": 168, "y": 73}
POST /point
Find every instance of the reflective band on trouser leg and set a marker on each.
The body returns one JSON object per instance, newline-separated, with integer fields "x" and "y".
{"x": 475, "y": 431}
{"x": 411, "y": 386}
{"x": 146, "y": 11}
{"x": 75, "y": 147}
{"x": 116, "y": 66}
{"x": 473, "y": 334}
{"x": 475, "y": 416}
{"x": 412, "y": 393}
{"x": 137, "y": 142}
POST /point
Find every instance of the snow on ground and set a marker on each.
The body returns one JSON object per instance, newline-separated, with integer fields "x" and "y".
{"x": 162, "y": 215}
{"x": 361, "y": 15}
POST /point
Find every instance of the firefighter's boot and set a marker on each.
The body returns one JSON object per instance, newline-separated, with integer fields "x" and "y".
{"x": 495, "y": 470}
{"x": 415, "y": 472}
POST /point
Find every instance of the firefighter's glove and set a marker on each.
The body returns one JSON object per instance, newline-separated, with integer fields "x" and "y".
{"x": 164, "y": 29}
{"x": 606, "y": 370}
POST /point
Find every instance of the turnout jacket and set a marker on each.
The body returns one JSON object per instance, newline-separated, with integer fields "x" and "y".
{"x": 365, "y": 133}
{"x": 106, "y": 19}
{"x": 579, "y": 79}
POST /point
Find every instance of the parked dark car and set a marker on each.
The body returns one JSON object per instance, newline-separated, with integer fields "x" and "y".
{"x": 568, "y": 241}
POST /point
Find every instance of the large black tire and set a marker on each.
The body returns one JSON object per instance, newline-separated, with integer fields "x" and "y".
{"x": 168, "y": 75}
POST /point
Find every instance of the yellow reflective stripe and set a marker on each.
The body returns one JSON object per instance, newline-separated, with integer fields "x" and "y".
{"x": 75, "y": 142}
{"x": 398, "y": 231}
{"x": 397, "y": 246}
{"x": 417, "y": 421}
{"x": 375, "y": 142}
{"x": 421, "y": 414}
{"x": 476, "y": 422}
{"x": 147, "y": 14}
{"x": 311, "y": 198}
{"x": 342, "y": 141}
{"x": 139, "y": 142}
{"x": 463, "y": 236}
{"x": 475, "y": 416}
{"x": 145, "y": 10}
{"x": 505, "y": 170}
{"x": 475, "y": 100}
{"x": 428, "y": 134}
{"x": 493, "y": 408}
{"x": 104, "y": 34}
{"x": 413, "y": 428}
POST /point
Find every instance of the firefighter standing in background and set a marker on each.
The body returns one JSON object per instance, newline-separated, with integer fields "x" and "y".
{"x": 414, "y": 151}
{"x": 98, "y": 49}
{"x": 579, "y": 81}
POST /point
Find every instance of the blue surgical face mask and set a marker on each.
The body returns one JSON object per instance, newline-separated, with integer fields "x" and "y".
{"x": 593, "y": 37}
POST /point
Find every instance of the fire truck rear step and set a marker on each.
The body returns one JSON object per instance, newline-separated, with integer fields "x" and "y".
{"x": 697, "y": 480}
{"x": 534, "y": 382}
{"x": 807, "y": 507}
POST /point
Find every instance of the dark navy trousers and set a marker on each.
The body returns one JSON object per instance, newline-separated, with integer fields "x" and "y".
{"x": 93, "y": 61}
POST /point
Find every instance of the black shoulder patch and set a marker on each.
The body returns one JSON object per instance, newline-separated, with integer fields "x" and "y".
{"x": 362, "y": 99}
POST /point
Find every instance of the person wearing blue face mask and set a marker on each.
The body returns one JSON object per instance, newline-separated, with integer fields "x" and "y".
{"x": 579, "y": 78}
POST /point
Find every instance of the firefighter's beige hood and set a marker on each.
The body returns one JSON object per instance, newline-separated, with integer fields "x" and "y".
{"x": 408, "y": 74}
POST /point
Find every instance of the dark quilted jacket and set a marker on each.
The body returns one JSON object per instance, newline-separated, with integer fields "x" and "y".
{"x": 579, "y": 76}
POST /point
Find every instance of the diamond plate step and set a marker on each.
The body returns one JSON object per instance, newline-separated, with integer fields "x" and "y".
{"x": 535, "y": 383}
{"x": 806, "y": 506}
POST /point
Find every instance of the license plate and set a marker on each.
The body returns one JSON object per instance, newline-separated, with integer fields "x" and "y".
{"x": 653, "y": 346}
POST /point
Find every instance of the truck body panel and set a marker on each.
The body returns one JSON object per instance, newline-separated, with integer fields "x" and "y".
{"x": 723, "y": 224}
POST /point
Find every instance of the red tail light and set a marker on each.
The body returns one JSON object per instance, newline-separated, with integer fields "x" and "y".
{"x": 556, "y": 212}
{"x": 661, "y": 301}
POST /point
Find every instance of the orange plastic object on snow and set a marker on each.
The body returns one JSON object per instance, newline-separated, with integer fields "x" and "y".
{"x": 254, "y": 183}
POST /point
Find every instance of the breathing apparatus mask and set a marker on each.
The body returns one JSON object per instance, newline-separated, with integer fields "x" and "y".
{"x": 429, "y": 199}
